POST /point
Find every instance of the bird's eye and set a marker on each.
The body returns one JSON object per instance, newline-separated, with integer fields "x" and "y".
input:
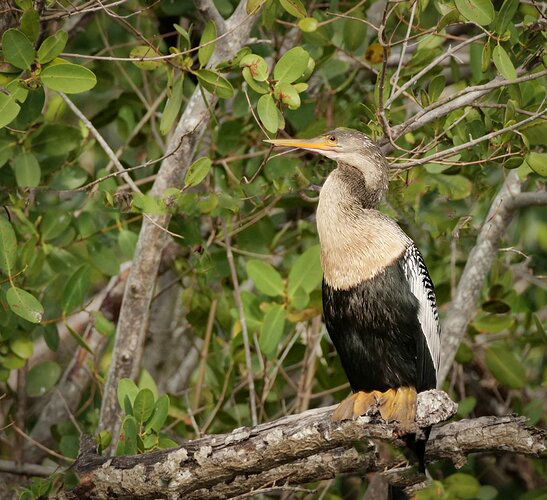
{"x": 332, "y": 138}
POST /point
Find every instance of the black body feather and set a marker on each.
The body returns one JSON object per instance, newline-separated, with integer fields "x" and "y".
{"x": 375, "y": 329}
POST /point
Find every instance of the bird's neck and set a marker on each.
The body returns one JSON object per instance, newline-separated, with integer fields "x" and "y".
{"x": 357, "y": 241}
{"x": 360, "y": 187}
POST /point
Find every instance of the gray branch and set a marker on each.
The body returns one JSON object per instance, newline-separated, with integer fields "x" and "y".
{"x": 209, "y": 11}
{"x": 477, "y": 267}
{"x": 295, "y": 449}
{"x": 133, "y": 320}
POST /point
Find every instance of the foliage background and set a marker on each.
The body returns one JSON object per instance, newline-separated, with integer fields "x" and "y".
{"x": 76, "y": 95}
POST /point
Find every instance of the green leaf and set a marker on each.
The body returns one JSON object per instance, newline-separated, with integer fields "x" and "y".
{"x": 259, "y": 87}
{"x": 292, "y": 65}
{"x": 147, "y": 382}
{"x": 267, "y": 112}
{"x": 143, "y": 406}
{"x": 68, "y": 78}
{"x": 450, "y": 17}
{"x": 272, "y": 330}
{"x": 456, "y": 187}
{"x": 128, "y": 242}
{"x": 538, "y": 163}
{"x": 308, "y": 24}
{"x": 258, "y": 67}
{"x": 254, "y": 5}
{"x": 143, "y": 52}
{"x": 24, "y": 304}
{"x": 161, "y": 410}
{"x": 42, "y": 377}
{"x": 56, "y": 139}
{"x": 76, "y": 289}
{"x": 265, "y": 277}
{"x": 79, "y": 339}
{"x": 18, "y": 49}
{"x": 486, "y": 56}
{"x": 306, "y": 272}
{"x": 22, "y": 347}
{"x": 215, "y": 83}
{"x": 300, "y": 298}
{"x": 294, "y": 7}
{"x": 7, "y": 148}
{"x": 30, "y": 24}
{"x": 8, "y": 246}
{"x": 52, "y": 46}
{"x": 9, "y": 109}
{"x": 287, "y": 94}
{"x": 184, "y": 35}
{"x": 505, "y": 15}
{"x": 436, "y": 87}
{"x": 126, "y": 387}
{"x": 27, "y": 170}
{"x": 505, "y": 366}
{"x": 355, "y": 32}
{"x": 172, "y": 106}
{"x": 503, "y": 63}
{"x": 130, "y": 435}
{"x": 493, "y": 323}
{"x": 207, "y": 48}
{"x": 462, "y": 486}
{"x": 197, "y": 172}
{"x": 476, "y": 11}
{"x": 69, "y": 445}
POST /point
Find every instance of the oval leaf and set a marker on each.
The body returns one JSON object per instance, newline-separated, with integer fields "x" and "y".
{"x": 503, "y": 63}
{"x": 9, "y": 109}
{"x": 306, "y": 271}
{"x": 294, "y": 7}
{"x": 287, "y": 94}
{"x": 52, "y": 46}
{"x": 76, "y": 289}
{"x": 143, "y": 406}
{"x": 215, "y": 83}
{"x": 476, "y": 11}
{"x": 24, "y": 304}
{"x": 505, "y": 366}
{"x": 172, "y": 106}
{"x": 143, "y": 52}
{"x": 267, "y": 112}
{"x": 292, "y": 65}
{"x": 18, "y": 49}
{"x": 27, "y": 170}
{"x": 161, "y": 410}
{"x": 207, "y": 46}
{"x": 8, "y": 246}
{"x": 265, "y": 277}
{"x": 197, "y": 172}
{"x": 68, "y": 78}
{"x": 42, "y": 377}
{"x": 258, "y": 67}
{"x": 272, "y": 330}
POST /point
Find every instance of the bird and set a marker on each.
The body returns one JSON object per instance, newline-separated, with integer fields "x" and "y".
{"x": 379, "y": 302}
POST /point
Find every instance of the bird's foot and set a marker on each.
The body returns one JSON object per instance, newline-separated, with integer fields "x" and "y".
{"x": 393, "y": 405}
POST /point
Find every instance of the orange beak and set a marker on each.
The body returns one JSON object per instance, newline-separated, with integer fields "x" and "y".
{"x": 316, "y": 143}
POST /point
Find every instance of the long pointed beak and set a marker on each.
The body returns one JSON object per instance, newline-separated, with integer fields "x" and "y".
{"x": 316, "y": 143}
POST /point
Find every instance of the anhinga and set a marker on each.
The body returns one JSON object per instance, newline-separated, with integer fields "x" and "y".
{"x": 378, "y": 299}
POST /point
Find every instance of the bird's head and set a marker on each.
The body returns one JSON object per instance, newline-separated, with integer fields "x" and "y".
{"x": 344, "y": 145}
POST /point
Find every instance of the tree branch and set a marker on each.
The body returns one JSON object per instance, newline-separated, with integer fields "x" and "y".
{"x": 478, "y": 265}
{"x": 295, "y": 449}
{"x": 133, "y": 319}
{"x": 209, "y": 11}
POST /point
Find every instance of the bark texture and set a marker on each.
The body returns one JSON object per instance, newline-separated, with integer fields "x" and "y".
{"x": 296, "y": 449}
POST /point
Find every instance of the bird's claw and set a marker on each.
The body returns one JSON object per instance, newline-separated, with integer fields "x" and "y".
{"x": 394, "y": 405}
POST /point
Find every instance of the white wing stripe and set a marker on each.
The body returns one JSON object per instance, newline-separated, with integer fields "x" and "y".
{"x": 422, "y": 288}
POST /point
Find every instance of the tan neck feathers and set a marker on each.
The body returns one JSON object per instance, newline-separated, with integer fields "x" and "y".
{"x": 356, "y": 242}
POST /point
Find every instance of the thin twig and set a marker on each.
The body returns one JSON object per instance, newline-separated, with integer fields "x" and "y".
{"x": 106, "y": 148}
{"x": 243, "y": 321}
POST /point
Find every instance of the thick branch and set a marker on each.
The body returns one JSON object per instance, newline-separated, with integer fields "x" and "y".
{"x": 295, "y": 449}
{"x": 209, "y": 11}
{"x": 478, "y": 265}
{"x": 133, "y": 319}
